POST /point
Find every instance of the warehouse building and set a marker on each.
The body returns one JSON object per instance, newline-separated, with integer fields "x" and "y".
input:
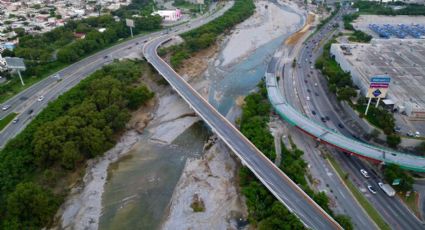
{"x": 402, "y": 60}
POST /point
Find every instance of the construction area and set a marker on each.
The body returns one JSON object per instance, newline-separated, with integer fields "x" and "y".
{"x": 401, "y": 59}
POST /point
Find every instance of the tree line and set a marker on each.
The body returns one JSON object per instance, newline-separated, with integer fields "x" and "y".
{"x": 206, "y": 35}
{"x": 367, "y": 7}
{"x": 265, "y": 211}
{"x": 60, "y": 47}
{"x": 81, "y": 124}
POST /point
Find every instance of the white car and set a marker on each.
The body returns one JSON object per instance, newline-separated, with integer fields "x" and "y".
{"x": 41, "y": 98}
{"x": 364, "y": 173}
{"x": 380, "y": 184}
{"x": 5, "y": 107}
{"x": 315, "y": 84}
{"x": 417, "y": 134}
{"x": 308, "y": 98}
{"x": 15, "y": 120}
{"x": 371, "y": 189}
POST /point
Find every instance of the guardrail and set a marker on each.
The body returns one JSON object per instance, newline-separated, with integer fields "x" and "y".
{"x": 338, "y": 140}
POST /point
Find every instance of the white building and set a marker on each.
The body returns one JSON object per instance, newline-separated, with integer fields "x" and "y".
{"x": 169, "y": 15}
{"x": 403, "y": 60}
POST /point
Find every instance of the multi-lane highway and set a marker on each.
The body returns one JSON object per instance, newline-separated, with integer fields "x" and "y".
{"x": 314, "y": 128}
{"x": 272, "y": 177}
{"x": 26, "y": 104}
{"x": 302, "y": 83}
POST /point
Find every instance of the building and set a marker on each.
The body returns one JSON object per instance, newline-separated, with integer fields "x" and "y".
{"x": 169, "y": 15}
{"x": 403, "y": 60}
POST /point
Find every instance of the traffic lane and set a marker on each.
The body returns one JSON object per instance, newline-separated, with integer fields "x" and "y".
{"x": 393, "y": 204}
{"x": 347, "y": 203}
{"x": 390, "y": 208}
{"x": 259, "y": 164}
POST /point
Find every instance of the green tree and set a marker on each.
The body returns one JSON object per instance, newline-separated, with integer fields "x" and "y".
{"x": 393, "y": 140}
{"x": 345, "y": 222}
{"x": 30, "y": 207}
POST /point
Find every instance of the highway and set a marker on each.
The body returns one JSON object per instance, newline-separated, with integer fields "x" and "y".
{"x": 25, "y": 103}
{"x": 281, "y": 186}
{"x": 293, "y": 113}
{"x": 299, "y": 84}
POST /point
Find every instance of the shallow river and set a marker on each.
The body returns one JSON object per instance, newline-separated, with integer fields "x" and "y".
{"x": 140, "y": 186}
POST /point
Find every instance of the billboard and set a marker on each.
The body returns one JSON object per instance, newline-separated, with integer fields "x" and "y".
{"x": 378, "y": 87}
{"x": 129, "y": 22}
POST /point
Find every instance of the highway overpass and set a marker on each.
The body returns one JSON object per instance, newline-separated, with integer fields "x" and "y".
{"x": 332, "y": 137}
{"x": 278, "y": 183}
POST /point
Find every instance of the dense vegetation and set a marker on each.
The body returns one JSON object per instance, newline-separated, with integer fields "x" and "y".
{"x": 375, "y": 7}
{"x": 377, "y": 116}
{"x": 82, "y": 123}
{"x": 206, "y": 35}
{"x": 52, "y": 50}
{"x": 392, "y": 172}
{"x": 265, "y": 210}
{"x": 339, "y": 81}
{"x": 357, "y": 35}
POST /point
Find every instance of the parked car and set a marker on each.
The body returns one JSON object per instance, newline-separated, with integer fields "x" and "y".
{"x": 41, "y": 98}
{"x": 340, "y": 126}
{"x": 313, "y": 112}
{"x": 323, "y": 119}
{"x": 364, "y": 173}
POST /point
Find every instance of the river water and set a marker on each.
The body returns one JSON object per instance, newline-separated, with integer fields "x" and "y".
{"x": 140, "y": 185}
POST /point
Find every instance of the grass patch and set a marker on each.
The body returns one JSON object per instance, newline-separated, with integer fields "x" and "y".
{"x": 371, "y": 211}
{"x": 5, "y": 121}
{"x": 412, "y": 203}
{"x": 197, "y": 204}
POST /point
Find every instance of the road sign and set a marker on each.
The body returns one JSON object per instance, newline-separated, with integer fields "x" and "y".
{"x": 129, "y": 22}
{"x": 378, "y": 86}
{"x": 396, "y": 181}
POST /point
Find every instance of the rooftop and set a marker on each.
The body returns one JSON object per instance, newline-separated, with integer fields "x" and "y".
{"x": 403, "y": 60}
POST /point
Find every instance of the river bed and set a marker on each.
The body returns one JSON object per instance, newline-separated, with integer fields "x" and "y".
{"x": 140, "y": 185}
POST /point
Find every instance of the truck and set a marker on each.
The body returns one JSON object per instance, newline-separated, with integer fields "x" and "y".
{"x": 387, "y": 189}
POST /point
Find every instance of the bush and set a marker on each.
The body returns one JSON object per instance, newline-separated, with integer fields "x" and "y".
{"x": 81, "y": 124}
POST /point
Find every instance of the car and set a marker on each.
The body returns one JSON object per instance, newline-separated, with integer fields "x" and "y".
{"x": 15, "y": 120}
{"x": 323, "y": 119}
{"x": 137, "y": 43}
{"x": 316, "y": 94}
{"x": 40, "y": 98}
{"x": 327, "y": 118}
{"x": 410, "y": 134}
{"x": 105, "y": 57}
{"x": 30, "y": 111}
{"x": 380, "y": 184}
{"x": 315, "y": 84}
{"x": 5, "y": 107}
{"x": 371, "y": 189}
{"x": 417, "y": 134}
{"x": 397, "y": 129}
{"x": 364, "y": 173}
{"x": 340, "y": 126}
{"x": 305, "y": 81}
{"x": 308, "y": 90}
{"x": 308, "y": 98}
{"x": 313, "y": 112}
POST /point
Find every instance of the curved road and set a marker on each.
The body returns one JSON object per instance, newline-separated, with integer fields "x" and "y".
{"x": 25, "y": 103}
{"x": 294, "y": 198}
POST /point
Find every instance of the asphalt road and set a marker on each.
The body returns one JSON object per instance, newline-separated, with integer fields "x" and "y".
{"x": 275, "y": 180}
{"x": 25, "y": 103}
{"x": 392, "y": 209}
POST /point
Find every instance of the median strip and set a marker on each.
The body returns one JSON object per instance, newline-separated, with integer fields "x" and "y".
{"x": 370, "y": 210}
{"x": 6, "y": 120}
